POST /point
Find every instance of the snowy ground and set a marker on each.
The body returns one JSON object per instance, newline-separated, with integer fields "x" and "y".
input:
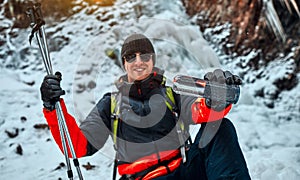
{"x": 269, "y": 137}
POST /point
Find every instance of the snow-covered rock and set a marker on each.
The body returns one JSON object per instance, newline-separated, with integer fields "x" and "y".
{"x": 269, "y": 137}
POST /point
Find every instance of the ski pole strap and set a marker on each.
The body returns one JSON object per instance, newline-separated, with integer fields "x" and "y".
{"x": 35, "y": 29}
{"x": 36, "y": 20}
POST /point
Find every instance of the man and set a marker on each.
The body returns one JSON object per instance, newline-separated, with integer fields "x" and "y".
{"x": 149, "y": 123}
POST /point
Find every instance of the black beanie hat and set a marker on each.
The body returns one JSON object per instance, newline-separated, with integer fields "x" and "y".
{"x": 137, "y": 43}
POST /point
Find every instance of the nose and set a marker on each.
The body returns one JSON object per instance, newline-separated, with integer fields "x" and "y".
{"x": 138, "y": 59}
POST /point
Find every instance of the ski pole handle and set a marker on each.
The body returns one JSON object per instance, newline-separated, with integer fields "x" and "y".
{"x": 188, "y": 85}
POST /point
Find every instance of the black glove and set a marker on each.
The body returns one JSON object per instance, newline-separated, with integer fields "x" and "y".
{"x": 51, "y": 90}
{"x": 221, "y": 78}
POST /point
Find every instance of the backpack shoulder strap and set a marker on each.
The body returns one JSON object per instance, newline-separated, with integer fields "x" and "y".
{"x": 170, "y": 100}
{"x": 115, "y": 111}
{"x": 115, "y": 99}
{"x": 180, "y": 127}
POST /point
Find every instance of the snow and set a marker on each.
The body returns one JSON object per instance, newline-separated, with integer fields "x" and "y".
{"x": 269, "y": 137}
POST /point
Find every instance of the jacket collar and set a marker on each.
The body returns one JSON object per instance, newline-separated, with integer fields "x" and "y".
{"x": 141, "y": 89}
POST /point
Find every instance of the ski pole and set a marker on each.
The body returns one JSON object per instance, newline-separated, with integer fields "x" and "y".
{"x": 38, "y": 31}
{"x": 188, "y": 85}
{"x": 43, "y": 36}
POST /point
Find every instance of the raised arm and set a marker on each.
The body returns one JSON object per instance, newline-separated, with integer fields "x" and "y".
{"x": 83, "y": 138}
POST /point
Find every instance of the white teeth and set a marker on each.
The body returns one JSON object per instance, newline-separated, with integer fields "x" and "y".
{"x": 139, "y": 69}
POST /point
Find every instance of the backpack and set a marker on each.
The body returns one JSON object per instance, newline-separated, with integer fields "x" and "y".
{"x": 170, "y": 103}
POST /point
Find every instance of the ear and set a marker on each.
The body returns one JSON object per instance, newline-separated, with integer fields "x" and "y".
{"x": 126, "y": 66}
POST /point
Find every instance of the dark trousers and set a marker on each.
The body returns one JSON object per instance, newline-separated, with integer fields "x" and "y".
{"x": 215, "y": 154}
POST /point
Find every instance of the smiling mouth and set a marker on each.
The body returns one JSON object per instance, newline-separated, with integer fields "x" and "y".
{"x": 139, "y": 69}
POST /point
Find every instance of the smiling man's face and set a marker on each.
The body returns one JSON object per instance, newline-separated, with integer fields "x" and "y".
{"x": 138, "y": 68}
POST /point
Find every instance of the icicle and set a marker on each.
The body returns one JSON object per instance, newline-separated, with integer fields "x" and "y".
{"x": 288, "y": 6}
{"x": 295, "y": 7}
{"x": 11, "y": 9}
{"x": 273, "y": 20}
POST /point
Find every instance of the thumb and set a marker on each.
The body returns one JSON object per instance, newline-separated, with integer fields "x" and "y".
{"x": 63, "y": 92}
{"x": 58, "y": 75}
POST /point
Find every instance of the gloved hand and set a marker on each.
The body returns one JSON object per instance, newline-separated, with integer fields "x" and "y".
{"x": 222, "y": 78}
{"x": 51, "y": 90}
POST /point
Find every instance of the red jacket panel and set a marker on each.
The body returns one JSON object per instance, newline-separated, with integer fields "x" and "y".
{"x": 78, "y": 139}
{"x": 201, "y": 113}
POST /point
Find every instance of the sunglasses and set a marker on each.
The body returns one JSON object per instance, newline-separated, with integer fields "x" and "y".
{"x": 132, "y": 57}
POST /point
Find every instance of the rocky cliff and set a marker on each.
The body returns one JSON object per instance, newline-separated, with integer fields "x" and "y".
{"x": 249, "y": 27}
